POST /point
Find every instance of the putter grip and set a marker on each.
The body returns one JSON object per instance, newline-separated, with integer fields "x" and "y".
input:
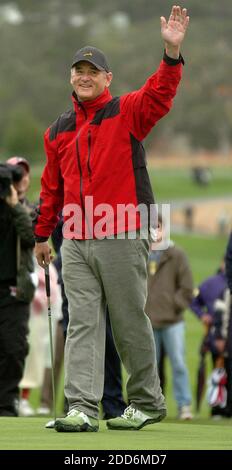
{"x": 47, "y": 281}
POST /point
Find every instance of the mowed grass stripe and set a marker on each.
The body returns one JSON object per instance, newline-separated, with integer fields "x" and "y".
{"x": 30, "y": 434}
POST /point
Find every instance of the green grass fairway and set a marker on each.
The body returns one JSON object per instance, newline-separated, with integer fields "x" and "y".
{"x": 170, "y": 184}
{"x": 167, "y": 184}
{"x": 29, "y": 433}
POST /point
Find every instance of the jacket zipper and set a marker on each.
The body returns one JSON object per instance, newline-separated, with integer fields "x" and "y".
{"x": 89, "y": 153}
{"x": 81, "y": 178}
{"x": 80, "y": 170}
{"x": 79, "y": 160}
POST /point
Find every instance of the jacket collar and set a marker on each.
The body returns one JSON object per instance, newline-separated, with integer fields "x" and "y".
{"x": 92, "y": 105}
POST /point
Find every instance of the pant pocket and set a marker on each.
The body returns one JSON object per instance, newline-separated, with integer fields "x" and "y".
{"x": 140, "y": 246}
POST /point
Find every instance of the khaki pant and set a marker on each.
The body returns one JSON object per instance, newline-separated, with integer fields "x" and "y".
{"x": 109, "y": 272}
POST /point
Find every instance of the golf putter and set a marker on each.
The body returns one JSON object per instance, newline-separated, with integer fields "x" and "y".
{"x": 51, "y": 423}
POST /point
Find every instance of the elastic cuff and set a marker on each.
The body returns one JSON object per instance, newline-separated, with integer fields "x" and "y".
{"x": 171, "y": 61}
{"x": 40, "y": 239}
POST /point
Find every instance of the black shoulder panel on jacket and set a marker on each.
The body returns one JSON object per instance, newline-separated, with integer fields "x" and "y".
{"x": 65, "y": 123}
{"x": 142, "y": 182}
{"x": 110, "y": 110}
{"x": 138, "y": 153}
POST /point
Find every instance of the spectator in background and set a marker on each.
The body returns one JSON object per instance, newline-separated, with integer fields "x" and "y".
{"x": 16, "y": 244}
{"x": 222, "y": 339}
{"x": 203, "y": 303}
{"x": 189, "y": 217}
{"x": 38, "y": 361}
{"x": 22, "y": 186}
{"x": 170, "y": 287}
{"x": 228, "y": 329}
{"x": 201, "y": 176}
{"x": 229, "y": 264}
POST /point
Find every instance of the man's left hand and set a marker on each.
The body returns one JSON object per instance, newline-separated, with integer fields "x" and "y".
{"x": 173, "y": 30}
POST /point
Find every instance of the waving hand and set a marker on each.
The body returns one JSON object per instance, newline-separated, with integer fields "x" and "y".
{"x": 173, "y": 30}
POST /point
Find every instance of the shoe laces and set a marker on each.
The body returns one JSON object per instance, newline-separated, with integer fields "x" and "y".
{"x": 129, "y": 413}
{"x": 73, "y": 412}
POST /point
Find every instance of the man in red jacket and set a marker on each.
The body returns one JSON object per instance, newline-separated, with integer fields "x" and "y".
{"x": 96, "y": 172}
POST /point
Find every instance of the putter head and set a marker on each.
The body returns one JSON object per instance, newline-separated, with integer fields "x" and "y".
{"x": 50, "y": 424}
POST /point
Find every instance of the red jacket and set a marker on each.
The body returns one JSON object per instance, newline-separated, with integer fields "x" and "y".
{"x": 95, "y": 150}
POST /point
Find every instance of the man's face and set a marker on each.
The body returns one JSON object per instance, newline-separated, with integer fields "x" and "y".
{"x": 88, "y": 82}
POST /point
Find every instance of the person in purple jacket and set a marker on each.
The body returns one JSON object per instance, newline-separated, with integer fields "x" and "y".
{"x": 223, "y": 329}
{"x": 210, "y": 290}
{"x": 229, "y": 263}
{"x": 228, "y": 343}
{"x": 203, "y": 305}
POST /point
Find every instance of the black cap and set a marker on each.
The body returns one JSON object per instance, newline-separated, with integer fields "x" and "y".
{"x": 92, "y": 55}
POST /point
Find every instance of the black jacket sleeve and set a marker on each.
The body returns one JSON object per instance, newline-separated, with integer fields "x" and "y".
{"x": 23, "y": 226}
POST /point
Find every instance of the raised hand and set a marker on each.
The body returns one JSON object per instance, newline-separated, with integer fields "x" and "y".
{"x": 173, "y": 30}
